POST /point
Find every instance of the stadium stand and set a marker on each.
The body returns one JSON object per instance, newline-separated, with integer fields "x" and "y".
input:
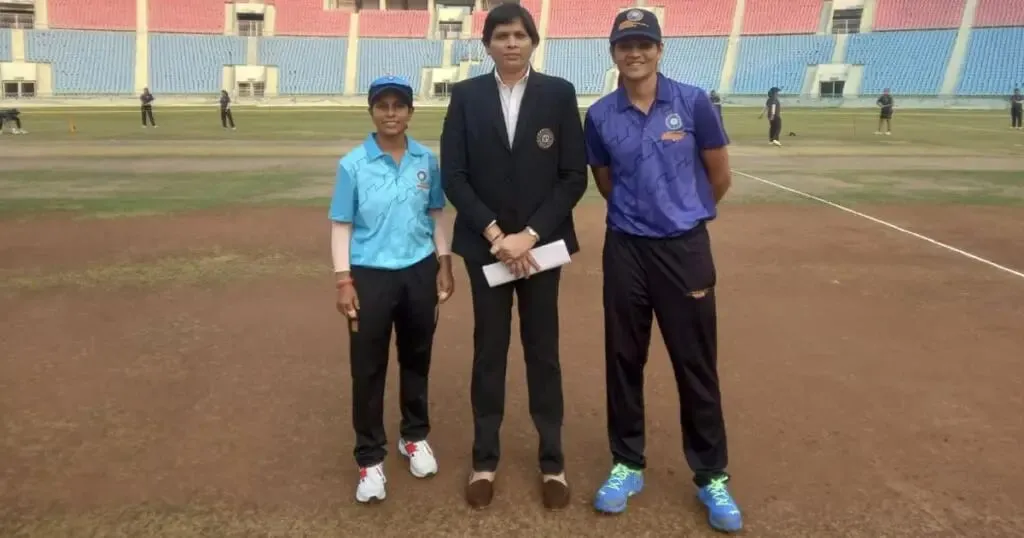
{"x": 5, "y": 45}
{"x": 765, "y": 17}
{"x": 85, "y": 62}
{"x": 405, "y": 58}
{"x": 186, "y": 16}
{"x": 91, "y": 45}
{"x": 309, "y": 18}
{"x": 394, "y": 24}
{"x": 478, "y": 17}
{"x": 999, "y": 13}
{"x": 191, "y": 64}
{"x": 584, "y": 62}
{"x": 994, "y": 62}
{"x": 779, "y": 60}
{"x": 584, "y": 18}
{"x": 92, "y": 14}
{"x": 473, "y": 50}
{"x": 918, "y": 14}
{"x": 299, "y": 75}
{"x": 696, "y": 17}
{"x": 694, "y": 60}
{"x": 909, "y": 63}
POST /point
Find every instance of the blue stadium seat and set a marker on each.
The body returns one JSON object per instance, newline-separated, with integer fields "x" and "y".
{"x": 908, "y": 63}
{"x": 779, "y": 60}
{"x": 400, "y": 57}
{"x": 84, "y": 61}
{"x": 473, "y": 51}
{"x": 298, "y": 74}
{"x": 993, "y": 63}
{"x": 5, "y": 45}
{"x": 694, "y": 60}
{"x": 584, "y": 62}
{"x": 191, "y": 64}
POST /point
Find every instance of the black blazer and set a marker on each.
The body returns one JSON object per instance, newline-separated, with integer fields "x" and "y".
{"x": 534, "y": 181}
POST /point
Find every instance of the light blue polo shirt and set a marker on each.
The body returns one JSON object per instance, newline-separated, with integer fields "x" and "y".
{"x": 387, "y": 204}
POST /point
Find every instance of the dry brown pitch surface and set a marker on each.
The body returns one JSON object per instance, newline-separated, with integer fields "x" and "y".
{"x": 873, "y": 382}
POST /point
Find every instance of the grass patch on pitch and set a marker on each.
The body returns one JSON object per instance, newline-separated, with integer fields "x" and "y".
{"x": 107, "y": 195}
{"x": 200, "y": 268}
{"x": 977, "y": 187}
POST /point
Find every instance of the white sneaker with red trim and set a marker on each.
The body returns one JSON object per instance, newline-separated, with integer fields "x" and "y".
{"x": 371, "y": 484}
{"x": 421, "y": 458}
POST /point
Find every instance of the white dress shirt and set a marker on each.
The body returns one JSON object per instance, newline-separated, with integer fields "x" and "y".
{"x": 511, "y": 101}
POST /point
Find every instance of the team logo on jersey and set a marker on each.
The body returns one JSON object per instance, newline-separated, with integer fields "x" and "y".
{"x": 674, "y": 122}
{"x": 422, "y": 183}
{"x": 545, "y": 138}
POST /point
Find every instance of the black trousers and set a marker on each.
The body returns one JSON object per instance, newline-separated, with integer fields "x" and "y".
{"x": 15, "y": 119}
{"x": 226, "y": 117}
{"x": 538, "y": 322}
{"x": 672, "y": 279}
{"x": 147, "y": 113}
{"x": 774, "y": 128}
{"x": 405, "y": 299}
{"x": 1016, "y": 116}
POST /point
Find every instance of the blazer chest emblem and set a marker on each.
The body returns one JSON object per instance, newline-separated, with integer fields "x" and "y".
{"x": 545, "y": 138}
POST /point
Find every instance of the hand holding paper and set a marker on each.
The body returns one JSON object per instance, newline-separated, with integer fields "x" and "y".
{"x": 547, "y": 257}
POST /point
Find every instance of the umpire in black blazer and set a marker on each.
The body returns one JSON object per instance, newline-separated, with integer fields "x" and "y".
{"x": 513, "y": 163}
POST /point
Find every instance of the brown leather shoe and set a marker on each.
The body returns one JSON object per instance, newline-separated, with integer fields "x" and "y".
{"x": 480, "y": 493}
{"x": 555, "y": 494}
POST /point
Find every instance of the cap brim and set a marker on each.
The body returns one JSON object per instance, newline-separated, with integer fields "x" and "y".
{"x": 402, "y": 91}
{"x": 635, "y": 34}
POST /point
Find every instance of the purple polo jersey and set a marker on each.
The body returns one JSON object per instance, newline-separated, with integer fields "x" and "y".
{"x": 660, "y": 186}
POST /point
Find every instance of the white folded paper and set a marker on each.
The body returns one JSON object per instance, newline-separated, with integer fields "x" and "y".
{"x": 547, "y": 257}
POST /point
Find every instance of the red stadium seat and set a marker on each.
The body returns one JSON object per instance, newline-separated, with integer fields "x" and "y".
{"x": 584, "y": 18}
{"x": 187, "y": 16}
{"x": 394, "y": 24}
{"x": 999, "y": 13}
{"x": 92, "y": 14}
{"x": 767, "y": 17}
{"x": 918, "y": 14}
{"x": 309, "y": 18}
{"x": 696, "y": 17}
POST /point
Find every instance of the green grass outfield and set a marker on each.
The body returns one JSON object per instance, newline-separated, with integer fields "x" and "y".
{"x": 332, "y": 123}
{"x": 110, "y": 166}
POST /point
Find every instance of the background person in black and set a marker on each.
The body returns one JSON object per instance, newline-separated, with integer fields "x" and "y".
{"x": 773, "y": 108}
{"x": 147, "y": 107}
{"x": 885, "y": 104}
{"x": 9, "y": 115}
{"x": 1016, "y": 109}
{"x": 225, "y": 110}
{"x": 716, "y": 101}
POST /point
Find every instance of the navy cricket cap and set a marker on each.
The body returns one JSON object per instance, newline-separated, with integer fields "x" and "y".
{"x": 390, "y": 83}
{"x": 635, "y": 23}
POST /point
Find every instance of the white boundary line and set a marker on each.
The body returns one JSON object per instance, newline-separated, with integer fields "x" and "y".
{"x": 876, "y": 220}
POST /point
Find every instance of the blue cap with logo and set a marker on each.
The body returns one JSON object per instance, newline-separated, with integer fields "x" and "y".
{"x": 390, "y": 83}
{"x": 636, "y": 23}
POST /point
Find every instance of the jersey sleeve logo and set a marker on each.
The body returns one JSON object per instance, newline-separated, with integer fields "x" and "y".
{"x": 422, "y": 182}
